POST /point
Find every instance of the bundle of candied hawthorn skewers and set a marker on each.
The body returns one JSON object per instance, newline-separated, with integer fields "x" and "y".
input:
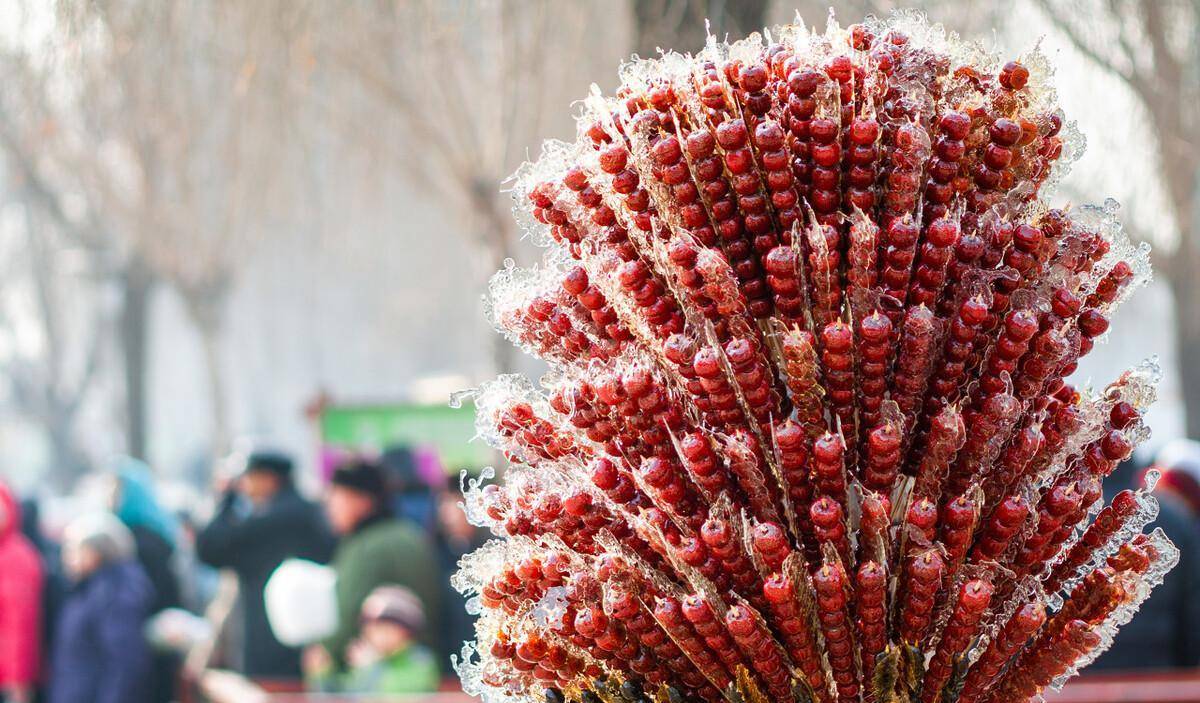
{"x": 806, "y": 433}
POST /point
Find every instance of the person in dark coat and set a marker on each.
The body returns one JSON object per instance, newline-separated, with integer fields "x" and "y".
{"x": 375, "y": 549}
{"x": 411, "y": 497}
{"x": 56, "y": 584}
{"x": 1165, "y": 632}
{"x": 455, "y": 538}
{"x": 154, "y": 531}
{"x": 261, "y": 521}
{"x": 100, "y": 654}
{"x": 1179, "y": 462}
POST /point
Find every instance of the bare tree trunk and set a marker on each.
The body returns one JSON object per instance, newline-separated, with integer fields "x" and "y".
{"x": 210, "y": 342}
{"x": 1187, "y": 314}
{"x": 68, "y": 465}
{"x": 1184, "y": 277}
{"x": 133, "y": 329}
{"x": 205, "y": 306}
{"x": 504, "y": 354}
{"x": 680, "y": 24}
{"x": 499, "y": 235}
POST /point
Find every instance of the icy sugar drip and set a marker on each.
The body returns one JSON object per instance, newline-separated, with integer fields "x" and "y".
{"x": 1140, "y": 586}
{"x": 1146, "y": 513}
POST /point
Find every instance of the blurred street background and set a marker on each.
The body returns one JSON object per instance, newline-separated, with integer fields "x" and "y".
{"x": 242, "y": 248}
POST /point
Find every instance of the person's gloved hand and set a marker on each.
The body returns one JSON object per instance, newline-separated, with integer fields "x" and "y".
{"x": 316, "y": 661}
{"x": 360, "y": 655}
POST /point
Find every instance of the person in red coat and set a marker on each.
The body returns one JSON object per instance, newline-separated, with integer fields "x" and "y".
{"x": 20, "y": 606}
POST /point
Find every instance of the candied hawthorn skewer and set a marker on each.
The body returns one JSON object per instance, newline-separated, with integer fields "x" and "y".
{"x": 829, "y": 525}
{"x": 1056, "y": 507}
{"x": 987, "y": 430}
{"x": 833, "y": 613}
{"x": 704, "y": 620}
{"x": 837, "y": 358}
{"x": 669, "y": 614}
{"x": 920, "y": 521}
{"x": 788, "y": 284}
{"x": 1019, "y": 328}
{"x": 1108, "y": 521}
{"x": 770, "y": 140}
{"x": 960, "y": 516}
{"x": 1038, "y": 666}
{"x": 824, "y": 264}
{"x": 922, "y": 578}
{"x": 871, "y": 614}
{"x": 724, "y": 409}
{"x": 686, "y": 257}
{"x": 782, "y": 264}
{"x": 759, "y": 648}
{"x": 755, "y": 379}
{"x": 1019, "y": 629}
{"x": 718, "y": 536}
{"x": 770, "y": 544}
{"x": 826, "y": 154}
{"x": 694, "y": 553}
{"x": 951, "y": 370}
{"x": 576, "y": 283}
{"x": 874, "y": 350}
{"x": 862, "y": 159}
{"x": 705, "y": 467}
{"x": 803, "y": 378}
{"x": 829, "y": 467}
{"x": 910, "y": 149}
{"x": 973, "y": 599}
{"x": 796, "y": 630}
{"x": 1012, "y": 465}
{"x": 929, "y": 278}
{"x": 943, "y": 167}
{"x": 862, "y": 252}
{"x": 1001, "y": 527}
{"x": 881, "y": 467}
{"x": 802, "y": 84}
{"x": 914, "y": 363}
{"x": 947, "y": 432}
{"x": 901, "y": 235}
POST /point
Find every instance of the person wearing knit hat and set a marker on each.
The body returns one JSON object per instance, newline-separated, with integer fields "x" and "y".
{"x": 1179, "y": 462}
{"x": 375, "y": 549}
{"x": 261, "y": 521}
{"x": 99, "y": 654}
{"x": 386, "y": 658}
{"x": 395, "y": 604}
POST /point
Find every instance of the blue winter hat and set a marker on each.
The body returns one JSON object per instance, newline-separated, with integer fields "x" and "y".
{"x": 136, "y": 505}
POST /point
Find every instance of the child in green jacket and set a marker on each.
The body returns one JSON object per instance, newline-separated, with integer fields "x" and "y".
{"x": 386, "y": 657}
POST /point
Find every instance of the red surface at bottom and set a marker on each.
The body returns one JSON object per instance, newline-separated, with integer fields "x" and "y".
{"x": 1164, "y": 687}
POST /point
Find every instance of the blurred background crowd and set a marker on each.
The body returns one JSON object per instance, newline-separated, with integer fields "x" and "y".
{"x": 242, "y": 248}
{"x": 135, "y": 602}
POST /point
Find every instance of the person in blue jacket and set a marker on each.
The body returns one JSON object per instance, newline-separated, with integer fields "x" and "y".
{"x": 155, "y": 531}
{"x": 154, "y": 528}
{"x": 100, "y": 654}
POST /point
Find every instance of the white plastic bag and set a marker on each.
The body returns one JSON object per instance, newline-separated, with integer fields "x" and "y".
{"x": 301, "y": 602}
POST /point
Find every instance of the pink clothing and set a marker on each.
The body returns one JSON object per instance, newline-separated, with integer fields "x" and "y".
{"x": 20, "y": 599}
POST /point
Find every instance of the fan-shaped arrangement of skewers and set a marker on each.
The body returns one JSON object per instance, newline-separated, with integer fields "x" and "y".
{"x": 806, "y": 433}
